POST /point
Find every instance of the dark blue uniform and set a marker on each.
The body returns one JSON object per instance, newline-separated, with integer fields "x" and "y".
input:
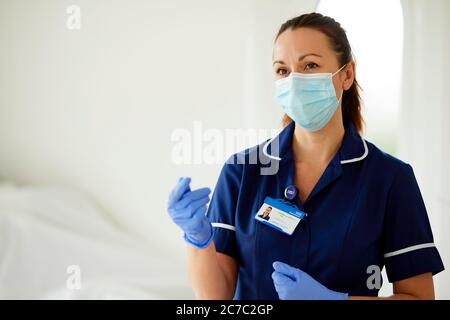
{"x": 366, "y": 210}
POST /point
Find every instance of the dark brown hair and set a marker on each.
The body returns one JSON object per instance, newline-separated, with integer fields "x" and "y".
{"x": 351, "y": 100}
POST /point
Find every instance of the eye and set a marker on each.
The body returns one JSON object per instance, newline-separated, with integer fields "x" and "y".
{"x": 281, "y": 71}
{"x": 311, "y": 65}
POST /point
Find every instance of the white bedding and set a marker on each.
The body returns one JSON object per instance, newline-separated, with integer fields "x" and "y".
{"x": 45, "y": 230}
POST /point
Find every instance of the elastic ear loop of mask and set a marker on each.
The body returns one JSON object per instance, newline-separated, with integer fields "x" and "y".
{"x": 342, "y": 94}
{"x": 339, "y": 70}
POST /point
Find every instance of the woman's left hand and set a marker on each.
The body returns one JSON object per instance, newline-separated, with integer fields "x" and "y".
{"x": 294, "y": 284}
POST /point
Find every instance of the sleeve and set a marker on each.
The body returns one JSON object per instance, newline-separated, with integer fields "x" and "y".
{"x": 222, "y": 208}
{"x": 408, "y": 244}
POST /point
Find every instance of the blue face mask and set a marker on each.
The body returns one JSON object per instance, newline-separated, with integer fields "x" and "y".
{"x": 308, "y": 99}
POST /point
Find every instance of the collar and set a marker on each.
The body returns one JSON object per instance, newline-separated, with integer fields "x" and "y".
{"x": 353, "y": 149}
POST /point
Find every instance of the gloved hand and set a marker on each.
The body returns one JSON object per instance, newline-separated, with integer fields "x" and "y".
{"x": 294, "y": 284}
{"x": 187, "y": 209}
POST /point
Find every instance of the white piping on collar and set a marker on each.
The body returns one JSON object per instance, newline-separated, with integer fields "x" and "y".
{"x": 366, "y": 152}
{"x": 265, "y": 150}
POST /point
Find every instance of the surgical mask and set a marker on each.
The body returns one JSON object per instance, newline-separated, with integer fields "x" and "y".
{"x": 308, "y": 99}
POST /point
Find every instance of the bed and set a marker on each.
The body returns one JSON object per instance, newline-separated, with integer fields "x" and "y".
{"x": 50, "y": 237}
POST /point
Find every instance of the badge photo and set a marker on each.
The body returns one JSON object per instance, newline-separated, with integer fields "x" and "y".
{"x": 279, "y": 215}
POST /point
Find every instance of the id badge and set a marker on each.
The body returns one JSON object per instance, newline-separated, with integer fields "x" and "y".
{"x": 279, "y": 215}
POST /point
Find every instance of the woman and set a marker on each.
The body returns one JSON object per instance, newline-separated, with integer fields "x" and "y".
{"x": 364, "y": 208}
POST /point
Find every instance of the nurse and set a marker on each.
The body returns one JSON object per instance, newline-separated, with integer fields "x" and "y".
{"x": 342, "y": 209}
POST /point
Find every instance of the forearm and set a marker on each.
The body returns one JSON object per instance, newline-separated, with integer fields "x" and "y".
{"x": 398, "y": 296}
{"x": 205, "y": 274}
{"x": 419, "y": 287}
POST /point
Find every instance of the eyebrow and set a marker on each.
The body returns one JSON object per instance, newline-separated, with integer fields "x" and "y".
{"x": 299, "y": 59}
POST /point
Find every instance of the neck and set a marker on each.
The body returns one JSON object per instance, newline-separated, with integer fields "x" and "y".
{"x": 318, "y": 147}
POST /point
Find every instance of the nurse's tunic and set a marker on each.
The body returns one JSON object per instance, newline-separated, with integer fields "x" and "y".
{"x": 366, "y": 212}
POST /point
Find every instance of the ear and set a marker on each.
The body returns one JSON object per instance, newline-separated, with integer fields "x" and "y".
{"x": 349, "y": 75}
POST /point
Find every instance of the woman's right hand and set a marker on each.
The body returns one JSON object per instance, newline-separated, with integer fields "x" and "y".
{"x": 187, "y": 209}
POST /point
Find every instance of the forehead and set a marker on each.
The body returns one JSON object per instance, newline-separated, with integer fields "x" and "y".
{"x": 301, "y": 41}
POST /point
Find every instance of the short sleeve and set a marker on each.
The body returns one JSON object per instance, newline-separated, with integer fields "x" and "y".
{"x": 408, "y": 244}
{"x": 222, "y": 208}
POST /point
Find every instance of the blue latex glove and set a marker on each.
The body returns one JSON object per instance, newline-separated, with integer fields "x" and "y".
{"x": 294, "y": 284}
{"x": 187, "y": 209}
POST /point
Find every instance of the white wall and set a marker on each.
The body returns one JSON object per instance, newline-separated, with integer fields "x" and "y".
{"x": 95, "y": 108}
{"x": 424, "y": 133}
